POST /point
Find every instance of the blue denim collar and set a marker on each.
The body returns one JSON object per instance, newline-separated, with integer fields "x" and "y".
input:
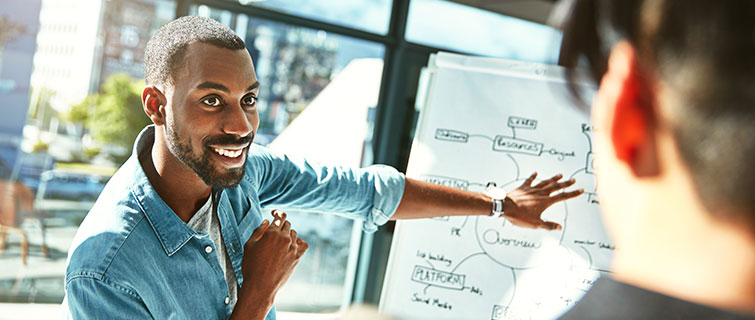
{"x": 171, "y": 231}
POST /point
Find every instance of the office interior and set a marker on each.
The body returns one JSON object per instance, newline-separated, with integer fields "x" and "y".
{"x": 71, "y": 69}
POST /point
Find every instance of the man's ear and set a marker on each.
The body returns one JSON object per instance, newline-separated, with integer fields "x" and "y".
{"x": 154, "y": 101}
{"x": 632, "y": 121}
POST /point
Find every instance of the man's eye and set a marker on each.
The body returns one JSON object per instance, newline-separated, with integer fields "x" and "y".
{"x": 249, "y": 100}
{"x": 212, "y": 101}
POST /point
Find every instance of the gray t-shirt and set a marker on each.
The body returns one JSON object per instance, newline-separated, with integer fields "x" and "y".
{"x": 206, "y": 220}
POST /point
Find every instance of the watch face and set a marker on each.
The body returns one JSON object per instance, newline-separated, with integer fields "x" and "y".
{"x": 495, "y": 192}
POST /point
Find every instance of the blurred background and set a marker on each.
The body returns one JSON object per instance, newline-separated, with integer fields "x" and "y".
{"x": 339, "y": 81}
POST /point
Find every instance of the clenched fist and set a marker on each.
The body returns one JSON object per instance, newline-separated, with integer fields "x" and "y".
{"x": 270, "y": 256}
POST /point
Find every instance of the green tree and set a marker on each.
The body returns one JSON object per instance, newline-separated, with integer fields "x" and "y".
{"x": 114, "y": 116}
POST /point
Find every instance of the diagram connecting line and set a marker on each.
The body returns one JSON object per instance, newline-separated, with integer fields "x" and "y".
{"x": 566, "y": 218}
{"x": 513, "y": 277}
{"x": 589, "y": 256}
{"x": 586, "y": 130}
{"x": 465, "y": 259}
{"x": 465, "y": 222}
{"x": 516, "y": 164}
{"x": 506, "y": 144}
{"x": 481, "y": 136}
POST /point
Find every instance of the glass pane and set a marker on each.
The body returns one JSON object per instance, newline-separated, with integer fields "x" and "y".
{"x": 480, "y": 32}
{"x": 56, "y": 152}
{"x": 315, "y": 86}
{"x": 368, "y": 15}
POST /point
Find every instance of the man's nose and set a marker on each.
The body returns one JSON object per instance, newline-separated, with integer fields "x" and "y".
{"x": 236, "y": 122}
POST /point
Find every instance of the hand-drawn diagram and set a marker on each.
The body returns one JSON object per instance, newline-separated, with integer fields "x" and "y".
{"x": 510, "y": 248}
{"x": 496, "y": 121}
{"x": 508, "y": 144}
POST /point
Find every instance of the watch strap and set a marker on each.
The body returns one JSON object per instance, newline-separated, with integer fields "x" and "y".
{"x": 497, "y": 209}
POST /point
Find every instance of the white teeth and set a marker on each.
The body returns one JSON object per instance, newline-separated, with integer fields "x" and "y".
{"x": 228, "y": 153}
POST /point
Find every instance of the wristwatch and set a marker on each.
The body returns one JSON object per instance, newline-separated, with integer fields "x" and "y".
{"x": 498, "y": 195}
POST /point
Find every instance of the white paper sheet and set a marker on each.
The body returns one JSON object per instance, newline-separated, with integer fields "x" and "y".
{"x": 492, "y": 120}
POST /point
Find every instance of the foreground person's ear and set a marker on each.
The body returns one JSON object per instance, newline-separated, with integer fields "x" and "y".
{"x": 153, "y": 102}
{"x": 632, "y": 120}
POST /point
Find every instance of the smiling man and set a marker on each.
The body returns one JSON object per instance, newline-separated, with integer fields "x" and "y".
{"x": 178, "y": 232}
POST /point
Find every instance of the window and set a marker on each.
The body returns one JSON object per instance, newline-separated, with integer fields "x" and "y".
{"x": 461, "y": 28}
{"x": 129, "y": 36}
{"x": 368, "y": 15}
{"x": 339, "y": 78}
{"x": 52, "y": 165}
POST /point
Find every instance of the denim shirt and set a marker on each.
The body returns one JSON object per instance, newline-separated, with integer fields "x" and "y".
{"x": 134, "y": 258}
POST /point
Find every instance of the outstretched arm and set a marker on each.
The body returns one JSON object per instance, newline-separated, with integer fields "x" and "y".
{"x": 523, "y": 206}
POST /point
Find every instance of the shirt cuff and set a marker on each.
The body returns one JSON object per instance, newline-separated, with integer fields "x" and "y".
{"x": 389, "y": 188}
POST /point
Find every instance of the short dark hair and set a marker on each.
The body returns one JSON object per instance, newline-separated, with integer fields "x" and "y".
{"x": 704, "y": 51}
{"x": 167, "y": 47}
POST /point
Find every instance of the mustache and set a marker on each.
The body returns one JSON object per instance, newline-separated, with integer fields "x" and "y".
{"x": 228, "y": 139}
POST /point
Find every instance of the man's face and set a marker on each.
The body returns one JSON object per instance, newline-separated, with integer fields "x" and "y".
{"x": 212, "y": 115}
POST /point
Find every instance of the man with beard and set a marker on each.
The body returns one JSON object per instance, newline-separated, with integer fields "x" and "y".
{"x": 178, "y": 232}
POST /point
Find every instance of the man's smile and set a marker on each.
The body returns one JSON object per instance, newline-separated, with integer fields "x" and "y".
{"x": 230, "y": 155}
{"x": 230, "y": 151}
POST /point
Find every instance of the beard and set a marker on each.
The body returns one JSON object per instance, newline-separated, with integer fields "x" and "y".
{"x": 202, "y": 164}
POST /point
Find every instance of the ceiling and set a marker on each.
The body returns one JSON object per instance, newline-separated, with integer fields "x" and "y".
{"x": 532, "y": 10}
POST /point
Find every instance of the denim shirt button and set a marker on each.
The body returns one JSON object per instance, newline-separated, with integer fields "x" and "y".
{"x": 208, "y": 249}
{"x": 227, "y": 300}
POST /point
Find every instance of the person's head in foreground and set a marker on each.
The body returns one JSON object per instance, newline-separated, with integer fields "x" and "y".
{"x": 201, "y": 95}
{"x": 675, "y": 141}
